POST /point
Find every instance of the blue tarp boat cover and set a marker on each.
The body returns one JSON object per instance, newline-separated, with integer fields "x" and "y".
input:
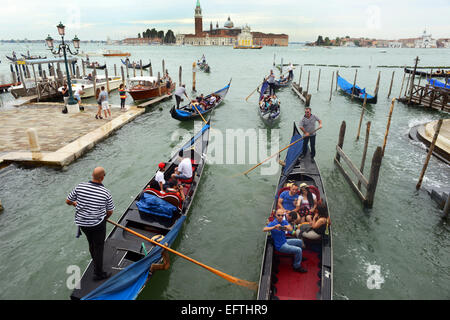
{"x": 151, "y": 204}
{"x": 292, "y": 155}
{"x": 263, "y": 90}
{"x": 439, "y": 84}
{"x": 347, "y": 87}
{"x": 126, "y": 284}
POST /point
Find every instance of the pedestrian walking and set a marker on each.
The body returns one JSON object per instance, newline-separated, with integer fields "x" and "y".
{"x": 103, "y": 98}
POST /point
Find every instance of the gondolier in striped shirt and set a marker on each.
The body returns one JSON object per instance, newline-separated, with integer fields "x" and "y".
{"x": 93, "y": 205}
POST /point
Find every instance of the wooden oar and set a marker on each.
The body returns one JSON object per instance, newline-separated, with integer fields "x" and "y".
{"x": 200, "y": 113}
{"x": 245, "y": 173}
{"x": 253, "y": 92}
{"x": 243, "y": 283}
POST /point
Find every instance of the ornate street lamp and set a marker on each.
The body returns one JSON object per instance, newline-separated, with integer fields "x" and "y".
{"x": 65, "y": 47}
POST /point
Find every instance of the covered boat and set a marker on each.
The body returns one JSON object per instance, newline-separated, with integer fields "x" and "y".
{"x": 188, "y": 112}
{"x": 356, "y": 92}
{"x": 278, "y": 281}
{"x": 438, "y": 73}
{"x": 135, "y": 65}
{"x": 146, "y": 87}
{"x": 439, "y": 84}
{"x": 270, "y": 114}
{"x": 153, "y": 215}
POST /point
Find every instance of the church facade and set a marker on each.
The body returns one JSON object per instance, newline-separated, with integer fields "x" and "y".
{"x": 228, "y": 35}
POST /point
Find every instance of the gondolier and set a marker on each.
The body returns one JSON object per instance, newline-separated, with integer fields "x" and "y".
{"x": 179, "y": 93}
{"x": 308, "y": 126}
{"x": 93, "y": 204}
{"x": 291, "y": 71}
{"x": 271, "y": 82}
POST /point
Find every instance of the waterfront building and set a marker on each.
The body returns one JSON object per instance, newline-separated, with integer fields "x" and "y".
{"x": 228, "y": 35}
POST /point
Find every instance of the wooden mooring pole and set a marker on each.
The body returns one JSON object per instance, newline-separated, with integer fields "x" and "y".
{"x": 123, "y": 75}
{"x": 300, "y": 79}
{"x": 433, "y": 143}
{"x": 361, "y": 117}
{"x": 107, "y": 79}
{"x": 373, "y": 178}
{"x": 388, "y": 125}
{"x": 180, "y": 71}
{"x": 318, "y": 81}
{"x": 341, "y": 139}
{"x": 337, "y": 75}
{"x": 193, "y": 76}
{"x": 307, "y": 85}
{"x": 366, "y": 144}
{"x": 354, "y": 83}
{"x": 151, "y": 69}
{"x": 115, "y": 70}
{"x": 412, "y": 80}
{"x": 331, "y": 89}
{"x": 392, "y": 81}
{"x": 142, "y": 70}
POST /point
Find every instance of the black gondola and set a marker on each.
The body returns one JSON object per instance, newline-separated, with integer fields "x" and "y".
{"x": 128, "y": 257}
{"x": 92, "y": 65}
{"x": 11, "y": 59}
{"x": 277, "y": 279}
{"x": 187, "y": 113}
{"x": 270, "y": 115}
{"x": 436, "y": 74}
{"x": 135, "y": 65}
{"x": 28, "y": 57}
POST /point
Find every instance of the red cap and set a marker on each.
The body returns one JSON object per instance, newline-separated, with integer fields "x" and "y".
{"x": 161, "y": 165}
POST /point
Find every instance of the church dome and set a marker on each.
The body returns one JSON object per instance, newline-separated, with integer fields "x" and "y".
{"x": 228, "y": 23}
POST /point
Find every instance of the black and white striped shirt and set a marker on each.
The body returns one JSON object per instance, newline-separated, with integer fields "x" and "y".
{"x": 93, "y": 200}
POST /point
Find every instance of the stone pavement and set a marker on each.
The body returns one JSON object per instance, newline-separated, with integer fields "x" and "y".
{"x": 62, "y": 137}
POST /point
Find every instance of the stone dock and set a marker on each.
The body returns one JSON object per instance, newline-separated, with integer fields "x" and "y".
{"x": 61, "y": 138}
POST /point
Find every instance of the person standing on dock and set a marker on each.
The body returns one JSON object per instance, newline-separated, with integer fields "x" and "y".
{"x": 77, "y": 96}
{"x": 103, "y": 99}
{"x": 179, "y": 93}
{"x": 308, "y": 127}
{"x": 65, "y": 93}
{"x": 93, "y": 206}
{"x": 123, "y": 97}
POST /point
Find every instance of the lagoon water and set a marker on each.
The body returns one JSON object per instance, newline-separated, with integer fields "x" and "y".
{"x": 399, "y": 249}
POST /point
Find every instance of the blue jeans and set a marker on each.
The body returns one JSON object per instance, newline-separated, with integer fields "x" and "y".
{"x": 293, "y": 246}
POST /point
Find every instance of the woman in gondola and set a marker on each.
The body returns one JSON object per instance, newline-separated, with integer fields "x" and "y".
{"x": 306, "y": 204}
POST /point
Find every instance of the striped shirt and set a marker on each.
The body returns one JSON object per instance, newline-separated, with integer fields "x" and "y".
{"x": 93, "y": 200}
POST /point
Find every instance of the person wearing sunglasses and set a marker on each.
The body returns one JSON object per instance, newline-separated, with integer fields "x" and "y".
{"x": 277, "y": 229}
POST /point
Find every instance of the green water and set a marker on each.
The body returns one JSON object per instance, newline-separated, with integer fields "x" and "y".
{"x": 403, "y": 234}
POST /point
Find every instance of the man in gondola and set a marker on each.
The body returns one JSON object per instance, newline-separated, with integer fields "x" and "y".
{"x": 271, "y": 81}
{"x": 179, "y": 93}
{"x": 308, "y": 127}
{"x": 277, "y": 229}
{"x": 93, "y": 206}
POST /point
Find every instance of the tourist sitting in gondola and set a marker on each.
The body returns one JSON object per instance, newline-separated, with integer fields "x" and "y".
{"x": 212, "y": 100}
{"x": 306, "y": 204}
{"x": 317, "y": 227}
{"x": 184, "y": 169}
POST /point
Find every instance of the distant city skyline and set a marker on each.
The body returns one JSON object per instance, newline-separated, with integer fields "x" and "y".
{"x": 301, "y": 20}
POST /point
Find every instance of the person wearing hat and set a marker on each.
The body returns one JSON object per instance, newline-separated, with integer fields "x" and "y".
{"x": 308, "y": 127}
{"x": 159, "y": 178}
{"x": 306, "y": 203}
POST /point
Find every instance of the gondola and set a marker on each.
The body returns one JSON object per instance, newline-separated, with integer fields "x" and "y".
{"x": 436, "y": 74}
{"x": 280, "y": 83}
{"x": 204, "y": 67}
{"x": 278, "y": 281}
{"x": 135, "y": 65}
{"x": 186, "y": 112}
{"x": 91, "y": 65}
{"x": 13, "y": 59}
{"x": 269, "y": 116}
{"x": 28, "y": 57}
{"x": 357, "y": 92}
{"x": 129, "y": 258}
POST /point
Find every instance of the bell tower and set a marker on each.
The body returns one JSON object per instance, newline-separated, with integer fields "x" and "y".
{"x": 198, "y": 19}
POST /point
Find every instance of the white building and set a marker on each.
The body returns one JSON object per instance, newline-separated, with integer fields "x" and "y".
{"x": 425, "y": 41}
{"x": 245, "y": 38}
{"x": 395, "y": 44}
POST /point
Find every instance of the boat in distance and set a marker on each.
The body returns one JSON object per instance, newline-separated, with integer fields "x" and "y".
{"x": 129, "y": 258}
{"x": 269, "y": 114}
{"x": 278, "y": 280}
{"x": 116, "y": 53}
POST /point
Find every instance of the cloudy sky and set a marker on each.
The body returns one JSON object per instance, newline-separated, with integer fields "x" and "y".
{"x": 302, "y": 20}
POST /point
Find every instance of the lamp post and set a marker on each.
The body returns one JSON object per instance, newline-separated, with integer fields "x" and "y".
{"x": 65, "y": 47}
